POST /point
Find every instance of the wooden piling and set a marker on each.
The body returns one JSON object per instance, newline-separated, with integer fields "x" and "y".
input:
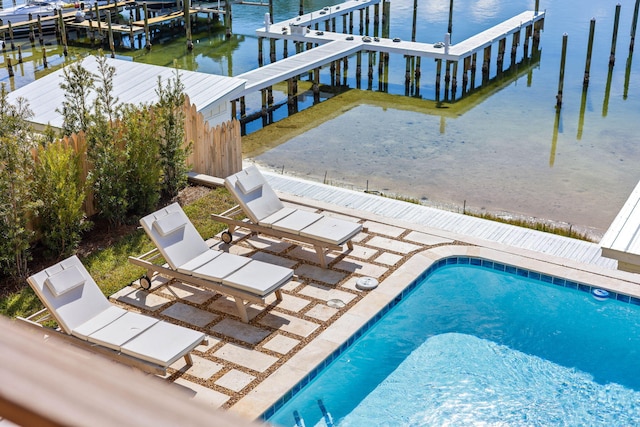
{"x": 614, "y": 37}
{"x": 187, "y": 23}
{"x": 634, "y": 23}
{"x": 563, "y": 58}
{"x": 285, "y": 48}
{"x": 358, "y": 69}
{"x": 450, "y": 26}
{"x": 454, "y": 81}
{"x": 466, "y": 65}
{"x": 260, "y": 55}
{"x": 417, "y": 75}
{"x": 13, "y": 46}
{"x": 386, "y": 22}
{"x": 502, "y": 46}
{"x": 345, "y": 70}
{"x": 407, "y": 75}
{"x": 263, "y": 111}
{"x": 301, "y": 8}
{"x": 9, "y": 66}
{"x": 110, "y": 30}
{"x": 372, "y": 58}
{"x": 32, "y": 35}
{"x": 376, "y": 20}
{"x": 587, "y": 65}
{"x": 228, "y": 25}
{"x": 40, "y": 35}
{"x": 525, "y": 45}
{"x": 514, "y": 47}
{"x": 415, "y": 20}
{"x": 447, "y": 79}
{"x": 44, "y": 58}
{"x": 438, "y": 76}
{"x": 316, "y": 86}
{"x": 19, "y": 54}
{"x": 474, "y": 58}
{"x": 63, "y": 33}
{"x": 344, "y": 24}
{"x": 486, "y": 64}
{"x": 361, "y": 21}
{"x": 147, "y": 36}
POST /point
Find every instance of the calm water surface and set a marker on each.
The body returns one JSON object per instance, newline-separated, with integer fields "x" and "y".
{"x": 509, "y": 153}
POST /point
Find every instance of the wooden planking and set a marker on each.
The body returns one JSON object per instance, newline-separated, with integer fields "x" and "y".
{"x": 524, "y": 238}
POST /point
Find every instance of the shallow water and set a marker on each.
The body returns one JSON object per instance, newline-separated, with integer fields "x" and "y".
{"x": 509, "y": 153}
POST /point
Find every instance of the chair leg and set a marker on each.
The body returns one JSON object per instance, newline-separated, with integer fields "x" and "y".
{"x": 321, "y": 256}
{"x": 350, "y": 245}
{"x": 242, "y": 309}
{"x": 279, "y": 295}
{"x": 188, "y": 359}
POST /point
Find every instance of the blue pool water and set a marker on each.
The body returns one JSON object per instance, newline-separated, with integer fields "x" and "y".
{"x": 472, "y": 345}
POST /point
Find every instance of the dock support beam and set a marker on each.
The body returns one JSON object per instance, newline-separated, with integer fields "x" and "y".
{"x": 438, "y": 75}
{"x": 486, "y": 64}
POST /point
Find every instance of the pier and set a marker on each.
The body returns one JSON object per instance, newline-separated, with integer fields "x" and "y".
{"x": 316, "y": 47}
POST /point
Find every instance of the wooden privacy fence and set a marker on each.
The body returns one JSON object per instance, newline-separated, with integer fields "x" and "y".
{"x": 215, "y": 151}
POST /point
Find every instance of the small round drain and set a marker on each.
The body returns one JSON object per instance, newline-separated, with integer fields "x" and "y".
{"x": 366, "y": 283}
{"x": 336, "y": 303}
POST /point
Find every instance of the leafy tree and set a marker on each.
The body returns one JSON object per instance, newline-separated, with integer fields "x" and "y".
{"x": 76, "y": 108}
{"x": 16, "y": 181}
{"x": 173, "y": 154}
{"x": 62, "y": 193}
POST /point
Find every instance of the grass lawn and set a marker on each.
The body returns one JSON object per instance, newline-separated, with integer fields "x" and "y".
{"x": 110, "y": 267}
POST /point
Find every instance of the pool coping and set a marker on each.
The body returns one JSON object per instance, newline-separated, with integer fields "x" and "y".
{"x": 279, "y": 385}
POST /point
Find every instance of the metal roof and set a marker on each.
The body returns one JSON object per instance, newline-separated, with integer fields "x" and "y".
{"x": 133, "y": 83}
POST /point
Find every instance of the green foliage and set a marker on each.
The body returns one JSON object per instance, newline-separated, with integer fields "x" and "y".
{"x": 109, "y": 171}
{"x": 170, "y": 119}
{"x": 144, "y": 170}
{"x": 76, "y": 108}
{"x": 16, "y": 179}
{"x": 62, "y": 193}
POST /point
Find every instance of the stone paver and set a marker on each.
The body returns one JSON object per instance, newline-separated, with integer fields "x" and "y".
{"x": 292, "y": 303}
{"x": 362, "y": 252}
{"x": 320, "y": 274}
{"x": 225, "y": 304}
{"x": 287, "y": 323}
{"x": 384, "y": 229}
{"x": 321, "y": 312}
{"x": 201, "y": 368}
{"x": 392, "y": 245}
{"x": 324, "y": 293}
{"x": 240, "y": 331}
{"x": 242, "y": 356}
{"x": 426, "y": 239}
{"x": 206, "y": 396}
{"x": 189, "y": 293}
{"x": 235, "y": 380}
{"x": 141, "y": 299}
{"x": 388, "y": 259}
{"x": 189, "y": 314}
{"x": 281, "y": 344}
{"x": 263, "y": 242}
{"x": 359, "y": 267}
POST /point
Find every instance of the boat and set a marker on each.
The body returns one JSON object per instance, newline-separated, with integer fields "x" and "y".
{"x": 31, "y": 10}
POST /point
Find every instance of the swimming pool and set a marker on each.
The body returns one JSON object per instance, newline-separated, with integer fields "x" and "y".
{"x": 478, "y": 342}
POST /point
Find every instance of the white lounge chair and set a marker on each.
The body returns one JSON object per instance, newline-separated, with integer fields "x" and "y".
{"x": 267, "y": 215}
{"x": 190, "y": 260}
{"x": 83, "y": 313}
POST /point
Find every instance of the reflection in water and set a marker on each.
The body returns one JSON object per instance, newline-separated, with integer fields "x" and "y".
{"x": 557, "y": 128}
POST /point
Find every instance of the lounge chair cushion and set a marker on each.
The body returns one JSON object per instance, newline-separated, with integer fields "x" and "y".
{"x": 250, "y": 179}
{"x": 163, "y": 343}
{"x": 98, "y": 322}
{"x": 276, "y": 216}
{"x": 259, "y": 278}
{"x": 65, "y": 280}
{"x": 296, "y": 221}
{"x": 198, "y": 261}
{"x": 221, "y": 266}
{"x": 124, "y": 328}
{"x": 332, "y": 230}
{"x": 169, "y": 223}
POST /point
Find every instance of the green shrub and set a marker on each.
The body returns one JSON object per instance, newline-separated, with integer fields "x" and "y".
{"x": 16, "y": 180}
{"x": 170, "y": 119}
{"x": 142, "y": 146}
{"x": 61, "y": 190}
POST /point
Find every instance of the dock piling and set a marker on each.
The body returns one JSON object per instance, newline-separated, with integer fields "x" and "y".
{"x": 9, "y": 66}
{"x": 563, "y": 58}
{"x": 587, "y": 65}
{"x": 634, "y": 24}
{"x": 614, "y": 36}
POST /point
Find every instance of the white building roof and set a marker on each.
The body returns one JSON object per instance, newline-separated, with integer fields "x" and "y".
{"x": 133, "y": 83}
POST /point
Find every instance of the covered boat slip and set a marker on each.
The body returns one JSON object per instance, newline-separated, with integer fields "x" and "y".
{"x": 622, "y": 240}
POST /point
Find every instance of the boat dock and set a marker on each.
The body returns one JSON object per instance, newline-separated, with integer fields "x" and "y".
{"x": 316, "y": 48}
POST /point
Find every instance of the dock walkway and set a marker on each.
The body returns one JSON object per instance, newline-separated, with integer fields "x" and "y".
{"x": 333, "y": 46}
{"x": 519, "y": 237}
